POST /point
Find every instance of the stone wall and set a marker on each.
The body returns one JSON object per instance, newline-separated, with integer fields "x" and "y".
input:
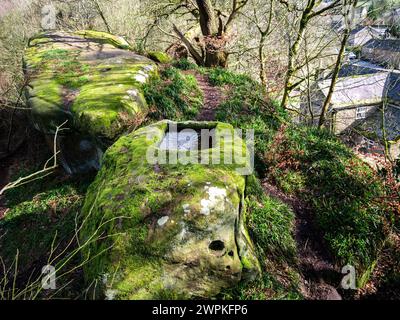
{"x": 344, "y": 118}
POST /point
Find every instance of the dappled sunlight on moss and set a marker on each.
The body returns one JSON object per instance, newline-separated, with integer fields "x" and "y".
{"x": 143, "y": 197}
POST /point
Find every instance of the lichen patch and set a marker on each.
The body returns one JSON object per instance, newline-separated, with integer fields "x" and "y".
{"x": 162, "y": 221}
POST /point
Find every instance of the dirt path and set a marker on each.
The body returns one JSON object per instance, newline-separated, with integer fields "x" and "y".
{"x": 320, "y": 277}
{"x": 212, "y": 98}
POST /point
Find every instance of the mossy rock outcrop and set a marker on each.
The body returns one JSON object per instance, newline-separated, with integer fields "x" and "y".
{"x": 159, "y": 56}
{"x": 154, "y": 229}
{"x": 92, "y": 80}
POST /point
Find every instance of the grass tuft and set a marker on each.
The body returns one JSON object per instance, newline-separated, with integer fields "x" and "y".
{"x": 173, "y": 96}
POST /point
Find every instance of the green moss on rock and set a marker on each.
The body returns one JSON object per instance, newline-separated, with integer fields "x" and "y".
{"x": 159, "y": 56}
{"x": 98, "y": 85}
{"x": 104, "y": 37}
{"x": 171, "y": 230}
{"x": 89, "y": 79}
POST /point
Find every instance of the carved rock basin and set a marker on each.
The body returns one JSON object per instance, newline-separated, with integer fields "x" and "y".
{"x": 160, "y": 230}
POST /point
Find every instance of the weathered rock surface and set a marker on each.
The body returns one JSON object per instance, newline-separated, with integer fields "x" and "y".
{"x": 90, "y": 79}
{"x": 167, "y": 230}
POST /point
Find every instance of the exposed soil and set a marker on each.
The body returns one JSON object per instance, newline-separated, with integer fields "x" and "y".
{"x": 320, "y": 276}
{"x": 212, "y": 99}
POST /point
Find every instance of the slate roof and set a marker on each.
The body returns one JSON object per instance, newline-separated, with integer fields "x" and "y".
{"x": 357, "y": 29}
{"x": 356, "y": 90}
{"x": 386, "y": 44}
{"x": 359, "y": 68}
{"x": 377, "y": 30}
{"x": 394, "y": 87}
{"x": 362, "y": 82}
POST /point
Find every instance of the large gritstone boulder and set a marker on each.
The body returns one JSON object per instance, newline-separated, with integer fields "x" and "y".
{"x": 91, "y": 80}
{"x": 165, "y": 217}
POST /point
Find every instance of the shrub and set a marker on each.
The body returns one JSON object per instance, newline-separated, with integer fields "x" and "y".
{"x": 184, "y": 64}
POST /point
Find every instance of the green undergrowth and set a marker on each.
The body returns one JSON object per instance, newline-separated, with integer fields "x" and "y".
{"x": 388, "y": 282}
{"x": 271, "y": 227}
{"x": 39, "y": 228}
{"x": 246, "y": 108}
{"x": 184, "y": 64}
{"x": 174, "y": 96}
{"x": 344, "y": 192}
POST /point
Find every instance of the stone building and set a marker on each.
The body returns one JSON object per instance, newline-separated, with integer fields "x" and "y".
{"x": 384, "y": 52}
{"x": 361, "y": 92}
{"x": 362, "y": 34}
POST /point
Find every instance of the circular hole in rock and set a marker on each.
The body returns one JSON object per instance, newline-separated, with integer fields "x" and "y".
{"x": 216, "y": 245}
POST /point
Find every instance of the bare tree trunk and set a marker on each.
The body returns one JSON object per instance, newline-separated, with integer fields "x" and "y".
{"x": 215, "y": 55}
{"x": 213, "y": 50}
{"x": 263, "y": 38}
{"x": 291, "y": 69}
{"x": 100, "y": 12}
{"x": 263, "y": 76}
{"x": 338, "y": 64}
{"x": 335, "y": 76}
{"x": 293, "y": 52}
{"x": 207, "y": 18}
{"x": 307, "y": 14}
{"x": 309, "y": 102}
{"x": 196, "y": 56}
{"x": 216, "y": 58}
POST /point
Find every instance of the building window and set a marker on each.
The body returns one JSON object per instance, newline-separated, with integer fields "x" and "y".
{"x": 361, "y": 113}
